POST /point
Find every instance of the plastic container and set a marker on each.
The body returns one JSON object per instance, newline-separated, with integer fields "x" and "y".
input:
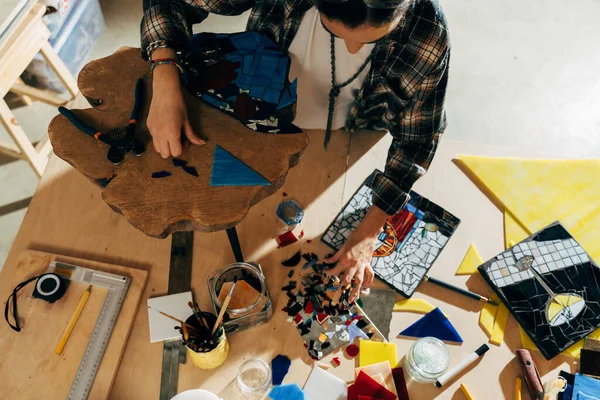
{"x": 196, "y": 394}
{"x": 75, "y": 38}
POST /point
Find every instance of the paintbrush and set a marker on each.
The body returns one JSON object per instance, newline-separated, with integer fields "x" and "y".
{"x": 224, "y": 307}
{"x": 198, "y": 314}
{"x": 174, "y": 319}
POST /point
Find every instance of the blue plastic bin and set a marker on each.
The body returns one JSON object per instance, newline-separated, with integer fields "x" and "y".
{"x": 77, "y": 34}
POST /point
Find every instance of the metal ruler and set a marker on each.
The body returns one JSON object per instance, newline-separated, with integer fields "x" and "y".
{"x": 180, "y": 277}
{"x": 117, "y": 286}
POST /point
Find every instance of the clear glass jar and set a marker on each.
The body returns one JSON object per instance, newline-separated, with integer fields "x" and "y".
{"x": 254, "y": 377}
{"x": 239, "y": 319}
{"x": 427, "y": 359}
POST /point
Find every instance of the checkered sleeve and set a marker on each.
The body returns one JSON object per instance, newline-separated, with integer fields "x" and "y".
{"x": 169, "y": 22}
{"x": 415, "y": 138}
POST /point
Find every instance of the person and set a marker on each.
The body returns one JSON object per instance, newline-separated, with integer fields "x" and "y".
{"x": 361, "y": 64}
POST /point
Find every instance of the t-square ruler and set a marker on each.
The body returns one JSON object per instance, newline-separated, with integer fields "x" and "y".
{"x": 117, "y": 286}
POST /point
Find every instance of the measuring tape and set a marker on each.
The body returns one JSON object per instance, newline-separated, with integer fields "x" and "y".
{"x": 117, "y": 290}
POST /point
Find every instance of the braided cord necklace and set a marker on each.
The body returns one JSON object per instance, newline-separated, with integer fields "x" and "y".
{"x": 336, "y": 89}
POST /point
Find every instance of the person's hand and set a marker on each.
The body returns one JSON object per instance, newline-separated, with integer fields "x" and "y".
{"x": 354, "y": 257}
{"x": 167, "y": 119}
{"x": 354, "y": 262}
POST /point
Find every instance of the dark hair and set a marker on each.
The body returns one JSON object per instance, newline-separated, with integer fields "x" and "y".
{"x": 354, "y": 13}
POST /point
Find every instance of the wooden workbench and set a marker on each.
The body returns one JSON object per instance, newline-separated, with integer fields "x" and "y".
{"x": 67, "y": 215}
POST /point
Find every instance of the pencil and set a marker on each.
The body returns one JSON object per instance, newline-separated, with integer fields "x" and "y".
{"x": 464, "y": 292}
{"x": 174, "y": 319}
{"x": 224, "y": 308}
{"x": 518, "y": 389}
{"x": 466, "y": 392}
{"x": 63, "y": 340}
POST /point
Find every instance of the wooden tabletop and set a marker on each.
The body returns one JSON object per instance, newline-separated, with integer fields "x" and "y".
{"x": 68, "y": 216}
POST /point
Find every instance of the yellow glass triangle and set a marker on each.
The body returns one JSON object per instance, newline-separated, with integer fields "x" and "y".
{"x": 487, "y": 315}
{"x": 414, "y": 305}
{"x": 470, "y": 262}
{"x": 499, "y": 325}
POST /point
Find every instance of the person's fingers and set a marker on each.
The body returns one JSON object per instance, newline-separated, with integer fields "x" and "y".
{"x": 189, "y": 133}
{"x": 358, "y": 281}
{"x": 369, "y": 276}
{"x": 334, "y": 258}
{"x": 175, "y": 146}
{"x": 155, "y": 146}
{"x": 163, "y": 147}
{"x": 349, "y": 274}
{"x": 185, "y": 143}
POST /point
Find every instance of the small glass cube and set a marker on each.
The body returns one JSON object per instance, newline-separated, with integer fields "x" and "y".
{"x": 290, "y": 212}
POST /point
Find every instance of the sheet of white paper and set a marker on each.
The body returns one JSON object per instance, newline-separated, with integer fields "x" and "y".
{"x": 321, "y": 385}
{"x": 161, "y": 327}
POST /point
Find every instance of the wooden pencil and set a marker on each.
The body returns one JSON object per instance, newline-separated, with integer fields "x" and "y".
{"x": 63, "y": 340}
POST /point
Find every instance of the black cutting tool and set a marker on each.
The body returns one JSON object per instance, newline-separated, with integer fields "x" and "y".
{"x": 121, "y": 139}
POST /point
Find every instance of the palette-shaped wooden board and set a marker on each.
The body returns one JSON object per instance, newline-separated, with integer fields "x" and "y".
{"x": 180, "y": 202}
{"x": 29, "y": 368}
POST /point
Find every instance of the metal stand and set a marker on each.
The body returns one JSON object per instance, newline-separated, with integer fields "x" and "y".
{"x": 235, "y": 244}
{"x": 180, "y": 278}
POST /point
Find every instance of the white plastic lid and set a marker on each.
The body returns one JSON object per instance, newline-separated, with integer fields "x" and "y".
{"x": 196, "y": 394}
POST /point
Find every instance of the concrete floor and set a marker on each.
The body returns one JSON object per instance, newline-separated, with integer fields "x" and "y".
{"x": 523, "y": 74}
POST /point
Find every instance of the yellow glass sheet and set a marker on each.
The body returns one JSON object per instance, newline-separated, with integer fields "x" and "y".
{"x": 376, "y": 352}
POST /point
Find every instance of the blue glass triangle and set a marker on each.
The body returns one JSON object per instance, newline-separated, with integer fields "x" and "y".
{"x": 433, "y": 324}
{"x": 228, "y": 170}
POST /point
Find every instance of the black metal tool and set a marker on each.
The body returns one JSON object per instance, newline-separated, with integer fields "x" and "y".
{"x": 121, "y": 139}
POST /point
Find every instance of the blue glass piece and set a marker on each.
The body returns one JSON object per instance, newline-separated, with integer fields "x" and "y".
{"x": 433, "y": 324}
{"x": 289, "y": 95}
{"x": 228, "y": 170}
{"x": 586, "y": 388}
{"x": 287, "y": 392}
{"x": 245, "y": 40}
{"x": 280, "y": 365}
{"x": 290, "y": 212}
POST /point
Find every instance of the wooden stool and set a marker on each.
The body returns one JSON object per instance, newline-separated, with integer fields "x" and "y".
{"x": 29, "y": 38}
{"x": 179, "y": 202}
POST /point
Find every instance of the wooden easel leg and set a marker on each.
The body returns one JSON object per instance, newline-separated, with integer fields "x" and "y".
{"x": 234, "y": 241}
{"x": 8, "y": 120}
{"x": 180, "y": 277}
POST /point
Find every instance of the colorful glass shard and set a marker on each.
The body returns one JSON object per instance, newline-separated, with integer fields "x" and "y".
{"x": 355, "y": 332}
{"x": 287, "y": 392}
{"x": 367, "y": 386}
{"x": 293, "y": 260}
{"x": 400, "y": 382}
{"x": 433, "y": 324}
{"x": 228, "y": 170}
{"x": 352, "y": 350}
{"x": 190, "y": 170}
{"x": 280, "y": 365}
{"x": 160, "y": 174}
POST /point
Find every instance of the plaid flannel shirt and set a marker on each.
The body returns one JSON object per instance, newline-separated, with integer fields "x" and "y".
{"x": 403, "y": 93}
